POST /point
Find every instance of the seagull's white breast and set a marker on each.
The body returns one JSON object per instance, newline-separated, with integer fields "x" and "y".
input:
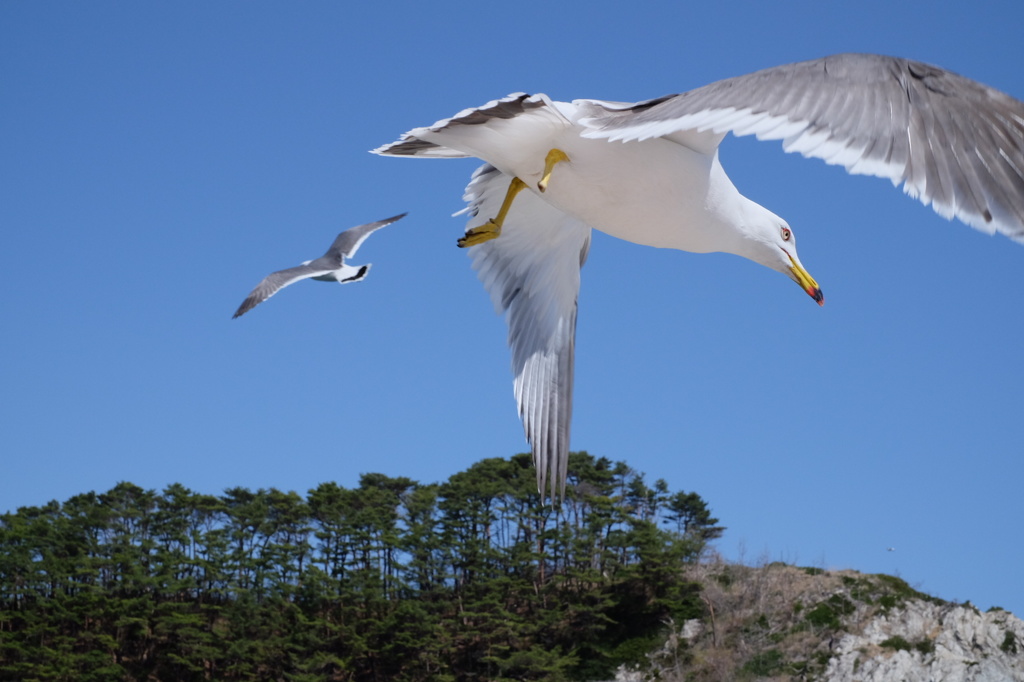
{"x": 655, "y": 192}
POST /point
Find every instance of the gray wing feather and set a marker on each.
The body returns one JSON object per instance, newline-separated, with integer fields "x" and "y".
{"x": 532, "y": 273}
{"x": 954, "y": 143}
{"x": 276, "y": 281}
{"x": 348, "y": 242}
{"x": 507, "y": 107}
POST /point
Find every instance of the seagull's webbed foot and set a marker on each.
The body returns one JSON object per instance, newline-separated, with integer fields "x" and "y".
{"x": 480, "y": 234}
{"x": 492, "y": 228}
{"x": 554, "y": 156}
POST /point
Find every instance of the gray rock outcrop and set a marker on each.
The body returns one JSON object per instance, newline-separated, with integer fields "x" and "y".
{"x": 926, "y": 642}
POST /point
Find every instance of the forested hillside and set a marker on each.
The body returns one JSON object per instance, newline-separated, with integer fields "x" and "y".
{"x": 472, "y": 578}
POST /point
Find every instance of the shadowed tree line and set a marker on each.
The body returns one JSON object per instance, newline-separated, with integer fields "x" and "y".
{"x": 473, "y": 578}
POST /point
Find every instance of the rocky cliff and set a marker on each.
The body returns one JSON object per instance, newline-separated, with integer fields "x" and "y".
{"x": 925, "y": 642}
{"x": 781, "y": 622}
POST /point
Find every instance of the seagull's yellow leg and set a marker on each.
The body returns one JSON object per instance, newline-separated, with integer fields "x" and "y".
{"x": 492, "y": 228}
{"x": 554, "y": 156}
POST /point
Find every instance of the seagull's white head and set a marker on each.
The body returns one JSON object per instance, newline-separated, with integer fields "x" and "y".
{"x": 769, "y": 240}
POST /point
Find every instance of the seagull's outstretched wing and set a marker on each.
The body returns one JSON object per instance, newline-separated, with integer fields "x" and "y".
{"x": 413, "y": 143}
{"x": 532, "y": 272}
{"x": 954, "y": 143}
{"x": 276, "y": 281}
{"x": 348, "y": 242}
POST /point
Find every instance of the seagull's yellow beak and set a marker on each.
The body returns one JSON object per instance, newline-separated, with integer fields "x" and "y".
{"x": 806, "y": 282}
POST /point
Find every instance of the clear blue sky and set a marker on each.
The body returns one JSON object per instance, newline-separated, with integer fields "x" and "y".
{"x": 158, "y": 159}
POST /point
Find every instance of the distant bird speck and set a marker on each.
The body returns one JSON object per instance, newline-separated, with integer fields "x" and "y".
{"x": 330, "y": 267}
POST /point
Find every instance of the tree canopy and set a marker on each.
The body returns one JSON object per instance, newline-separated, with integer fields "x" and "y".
{"x": 472, "y": 578}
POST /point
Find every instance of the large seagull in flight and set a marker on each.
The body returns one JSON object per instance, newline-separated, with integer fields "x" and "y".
{"x": 649, "y": 173}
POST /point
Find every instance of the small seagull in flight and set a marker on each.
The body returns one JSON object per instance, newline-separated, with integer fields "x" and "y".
{"x": 329, "y": 267}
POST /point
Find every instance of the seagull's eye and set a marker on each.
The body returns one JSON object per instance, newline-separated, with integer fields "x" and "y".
{"x": 787, "y": 234}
